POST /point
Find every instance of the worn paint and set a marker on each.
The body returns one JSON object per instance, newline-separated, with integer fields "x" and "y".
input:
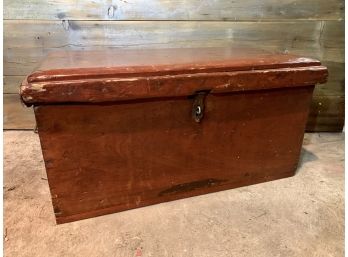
{"x": 36, "y": 87}
{"x": 190, "y": 186}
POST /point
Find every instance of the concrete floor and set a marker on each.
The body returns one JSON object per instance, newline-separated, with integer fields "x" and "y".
{"x": 298, "y": 216}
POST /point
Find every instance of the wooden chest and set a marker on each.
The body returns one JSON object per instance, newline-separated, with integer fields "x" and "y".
{"x": 121, "y": 129}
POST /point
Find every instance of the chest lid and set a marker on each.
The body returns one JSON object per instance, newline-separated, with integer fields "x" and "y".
{"x": 126, "y": 74}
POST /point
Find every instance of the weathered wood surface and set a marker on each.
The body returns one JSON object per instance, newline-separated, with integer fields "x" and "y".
{"x": 122, "y": 89}
{"x": 327, "y": 114}
{"x": 335, "y": 83}
{"x": 11, "y": 84}
{"x": 313, "y": 28}
{"x": 16, "y": 114}
{"x": 99, "y": 77}
{"x": 330, "y": 117}
{"x": 138, "y": 152}
{"x": 333, "y": 87}
{"x": 27, "y": 42}
{"x": 174, "y": 10}
{"x": 67, "y": 65}
{"x": 32, "y": 40}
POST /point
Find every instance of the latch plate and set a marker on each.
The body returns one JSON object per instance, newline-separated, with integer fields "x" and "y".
{"x": 198, "y": 106}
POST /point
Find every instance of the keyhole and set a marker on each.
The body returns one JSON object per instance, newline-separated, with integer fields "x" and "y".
{"x": 198, "y": 111}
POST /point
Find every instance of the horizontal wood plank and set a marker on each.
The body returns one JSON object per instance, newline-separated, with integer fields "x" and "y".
{"x": 174, "y": 10}
{"x": 327, "y": 114}
{"x": 335, "y": 83}
{"x": 12, "y": 83}
{"x": 27, "y": 42}
{"x": 334, "y": 86}
{"x": 16, "y": 114}
{"x": 82, "y": 90}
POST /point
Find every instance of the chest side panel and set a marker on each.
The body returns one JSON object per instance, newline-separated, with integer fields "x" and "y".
{"x": 104, "y": 158}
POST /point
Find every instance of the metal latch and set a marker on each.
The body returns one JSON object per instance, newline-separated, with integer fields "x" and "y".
{"x": 198, "y": 106}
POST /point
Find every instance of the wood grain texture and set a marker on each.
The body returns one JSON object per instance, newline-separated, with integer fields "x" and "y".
{"x": 146, "y": 152}
{"x": 333, "y": 87}
{"x": 146, "y": 87}
{"x": 68, "y": 65}
{"x": 313, "y": 28}
{"x": 16, "y": 114}
{"x": 11, "y": 84}
{"x": 174, "y": 10}
{"x": 330, "y": 118}
{"x": 327, "y": 114}
{"x": 24, "y": 50}
{"x": 335, "y": 84}
{"x": 97, "y": 76}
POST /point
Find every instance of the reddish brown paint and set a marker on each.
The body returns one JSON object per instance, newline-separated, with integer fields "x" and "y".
{"x": 118, "y": 89}
{"x": 66, "y": 65}
{"x": 121, "y": 135}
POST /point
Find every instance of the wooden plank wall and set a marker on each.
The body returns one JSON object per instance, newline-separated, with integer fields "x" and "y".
{"x": 314, "y": 28}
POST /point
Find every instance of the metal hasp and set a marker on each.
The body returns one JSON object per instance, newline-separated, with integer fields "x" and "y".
{"x": 198, "y": 106}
